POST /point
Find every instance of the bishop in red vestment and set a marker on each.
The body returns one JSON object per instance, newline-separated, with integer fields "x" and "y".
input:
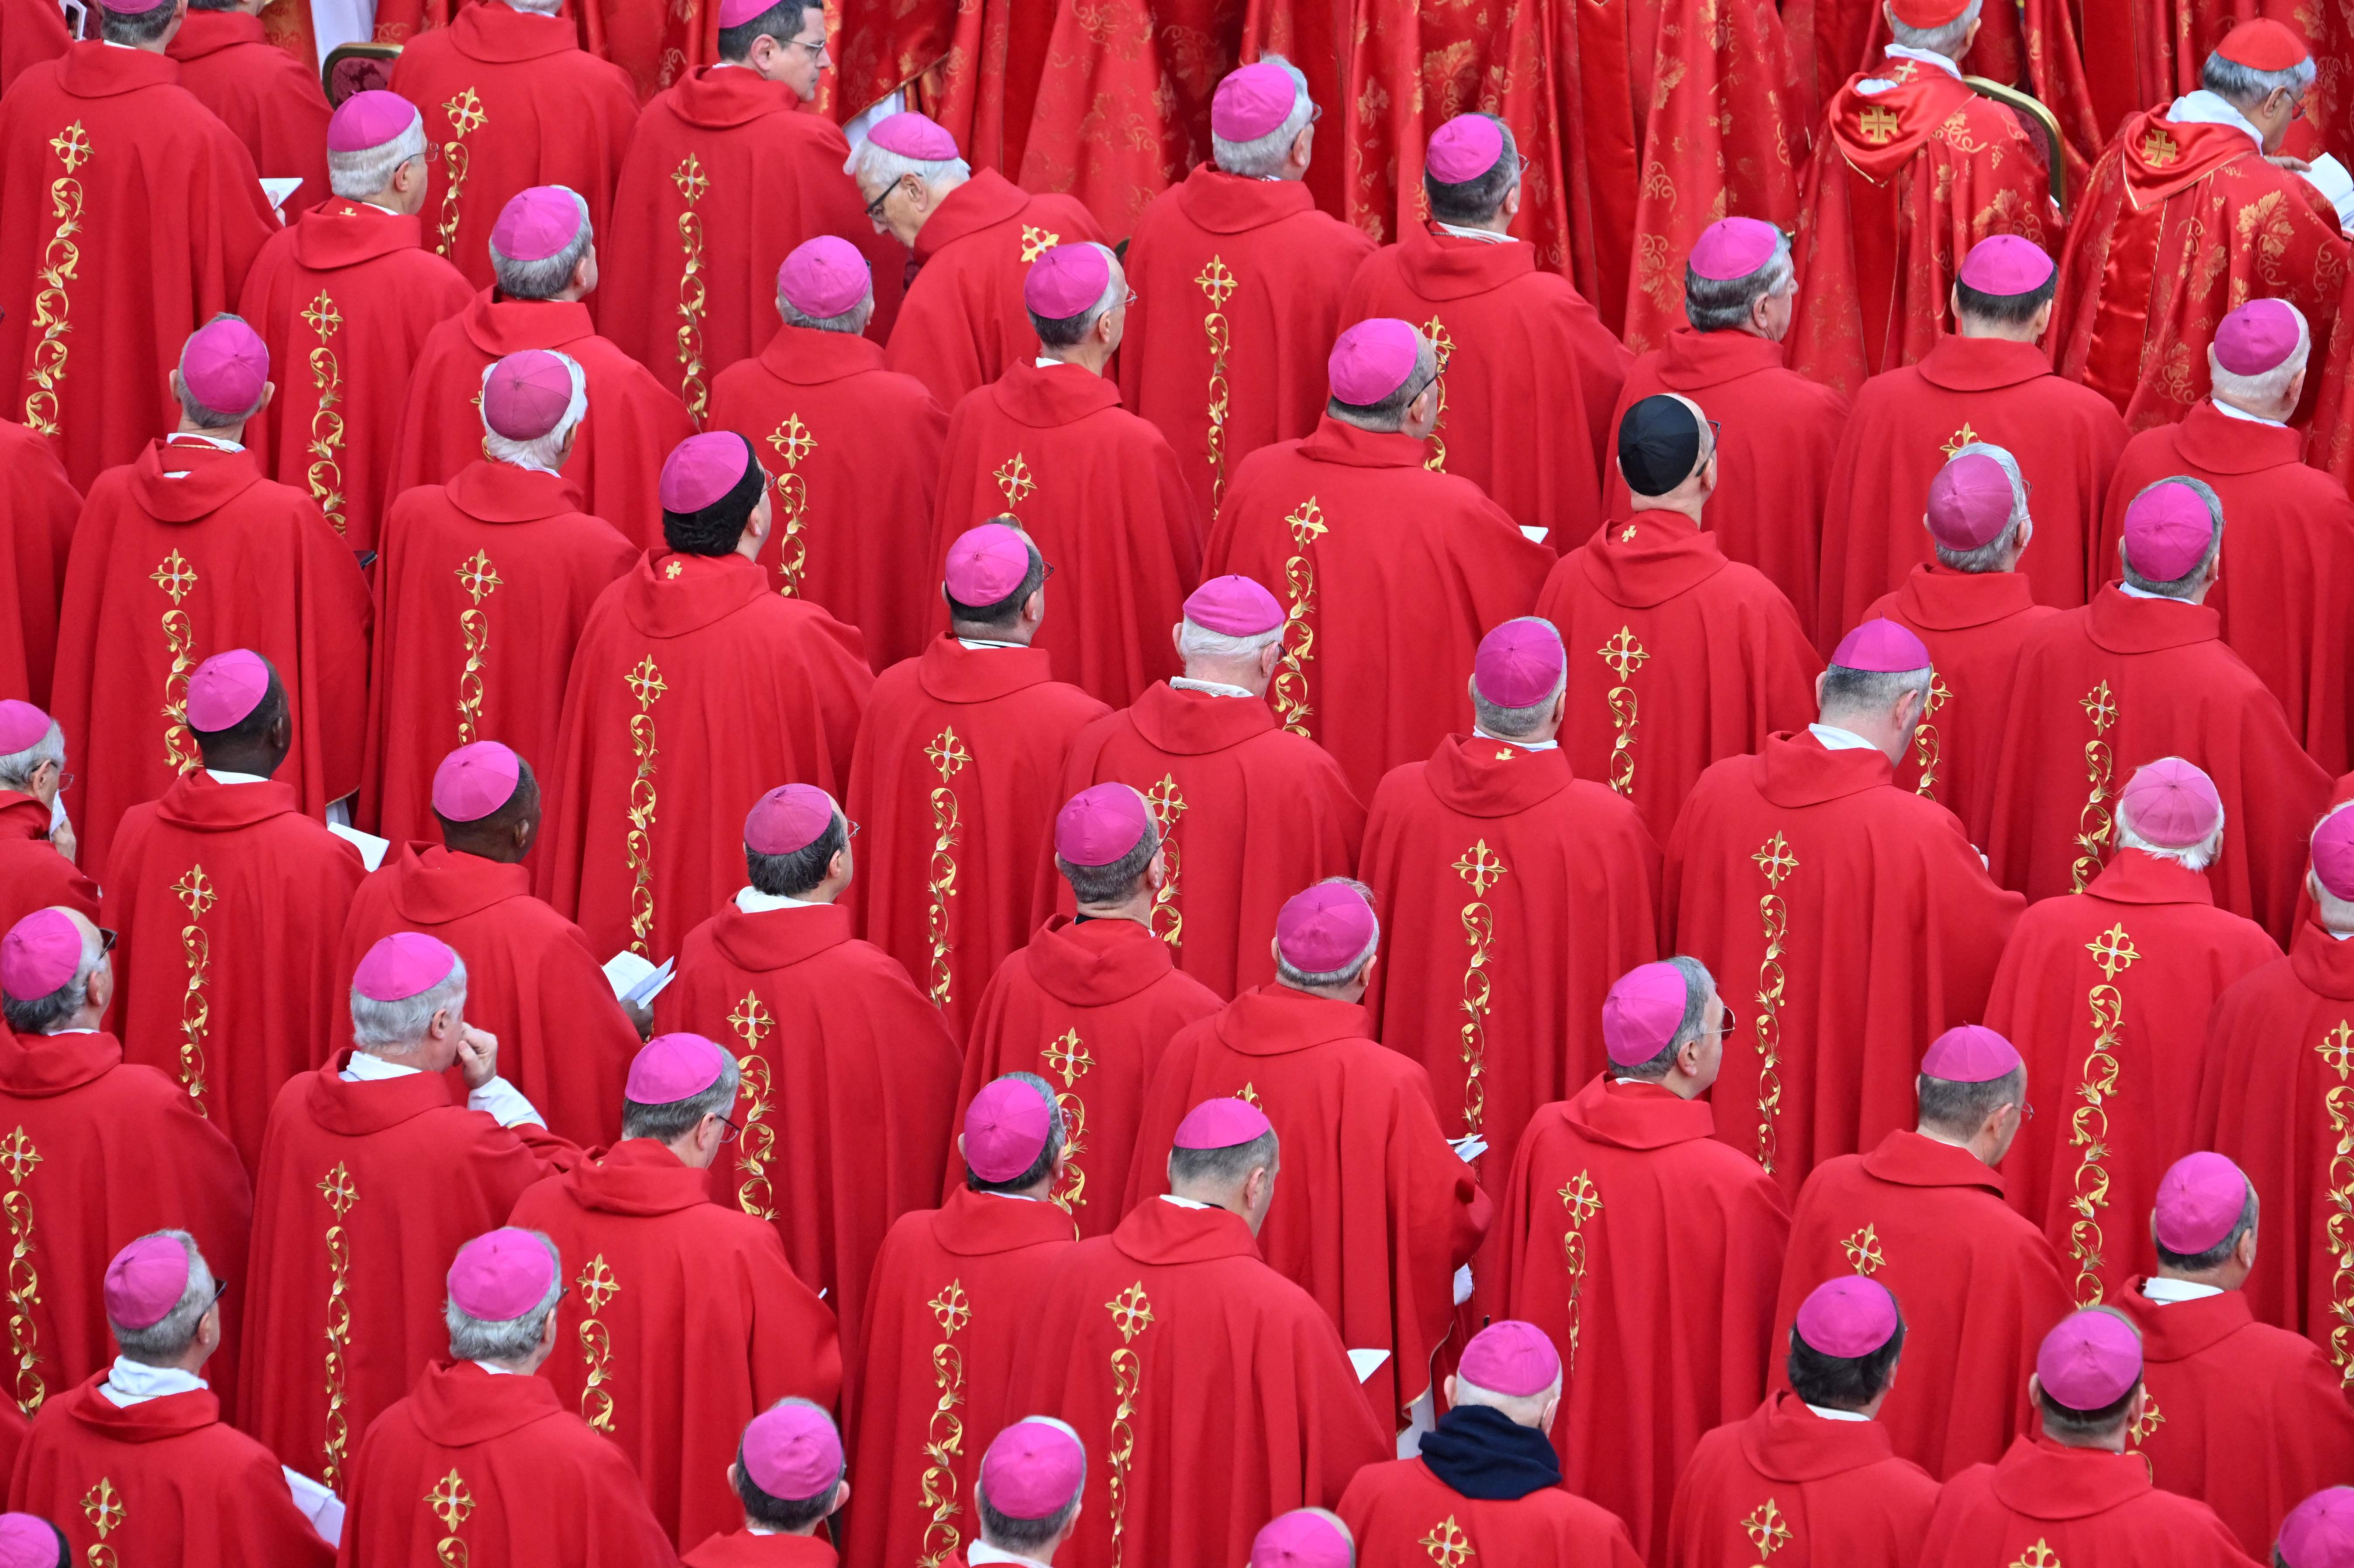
{"x": 346, "y": 294}
{"x": 227, "y": 901}
{"x": 766, "y": 688}
{"x": 1635, "y": 1238}
{"x": 1923, "y": 1214}
{"x": 189, "y": 551}
{"x": 128, "y": 217}
{"x": 849, "y": 1075}
{"x": 857, "y": 449}
{"x": 787, "y": 1481}
{"x": 485, "y": 583}
{"x": 1681, "y": 657}
{"x": 99, "y": 1153}
{"x": 38, "y": 508}
{"x": 264, "y": 93}
{"x": 2141, "y": 672}
{"x": 685, "y": 1319}
{"x": 1381, "y": 616}
{"x": 35, "y": 865}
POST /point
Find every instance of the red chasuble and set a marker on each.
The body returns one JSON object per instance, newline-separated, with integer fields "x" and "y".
{"x": 1526, "y": 367}
{"x": 1219, "y": 1388}
{"x": 2085, "y": 1508}
{"x": 1391, "y": 1509}
{"x": 849, "y": 1077}
{"x": 2122, "y": 682}
{"x": 31, "y": 31}
{"x": 1678, "y": 658}
{"x": 1513, "y": 893}
{"x": 181, "y": 1485}
{"x": 1269, "y": 811}
{"x": 631, "y": 426}
{"x": 1973, "y": 623}
{"x": 962, "y": 322}
{"x": 853, "y": 455}
{"x": 1380, "y": 1213}
{"x": 38, "y": 508}
{"x": 2245, "y": 1417}
{"x": 229, "y": 900}
{"x": 532, "y": 979}
{"x": 486, "y": 582}
{"x": 1778, "y": 433}
{"x": 128, "y": 217}
{"x": 100, "y": 1153}
{"x": 1263, "y": 273}
{"x": 1869, "y": 924}
{"x": 743, "y": 1549}
{"x": 475, "y": 1467}
{"x": 1906, "y": 181}
{"x": 367, "y": 1190}
{"x": 270, "y": 99}
{"x": 957, "y": 1293}
{"x": 683, "y": 1322}
{"x": 960, "y": 770}
{"x": 1380, "y": 631}
{"x": 2290, "y": 530}
{"x": 1100, "y": 493}
{"x": 517, "y": 92}
{"x": 186, "y": 552}
{"x": 1633, "y": 1233}
{"x": 1979, "y": 1287}
{"x": 1909, "y": 421}
{"x": 33, "y": 875}
{"x": 1836, "y": 1487}
{"x": 344, "y": 298}
{"x": 643, "y": 842}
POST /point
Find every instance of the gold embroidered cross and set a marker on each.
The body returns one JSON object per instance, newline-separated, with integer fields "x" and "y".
{"x": 645, "y": 682}
{"x": 1482, "y": 868}
{"x": 673, "y": 570}
{"x": 951, "y": 1309}
{"x": 1906, "y": 71}
{"x": 1036, "y": 241}
{"x": 17, "y": 1157}
{"x": 465, "y": 113}
{"x": 1626, "y": 537}
{"x": 2336, "y": 1048}
{"x": 1623, "y": 653}
{"x": 1766, "y": 1529}
{"x": 1448, "y": 1546}
{"x": 1863, "y": 1254}
{"x": 1959, "y": 439}
{"x": 1068, "y": 1057}
{"x": 2112, "y": 951}
{"x": 1131, "y": 1313}
{"x": 450, "y": 1500}
{"x": 793, "y": 440}
{"x": 322, "y": 316}
{"x": 2039, "y": 1555}
{"x": 336, "y": 1187}
{"x": 1216, "y": 282}
{"x": 1774, "y": 859}
{"x": 1167, "y": 804}
{"x": 175, "y": 576}
{"x": 479, "y": 577}
{"x": 1878, "y": 125}
{"x": 946, "y": 754}
{"x": 597, "y": 1284}
{"x": 689, "y": 179}
{"x": 1307, "y": 523}
{"x": 1014, "y": 478}
{"x": 102, "y": 1506}
{"x": 1582, "y": 1198}
{"x": 71, "y": 144}
{"x": 2099, "y": 707}
{"x": 195, "y": 892}
{"x": 750, "y": 1021}
{"x": 2157, "y": 150}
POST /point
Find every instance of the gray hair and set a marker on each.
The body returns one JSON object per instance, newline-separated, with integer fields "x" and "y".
{"x": 1263, "y": 157}
{"x": 381, "y": 1026}
{"x": 473, "y": 1339}
{"x": 134, "y": 28}
{"x": 1299, "y": 979}
{"x": 201, "y": 416}
{"x": 1992, "y": 556}
{"x": 1947, "y": 40}
{"x": 882, "y": 168}
{"x": 43, "y": 1013}
{"x": 1525, "y": 1409}
{"x": 16, "y": 768}
{"x": 2197, "y": 578}
{"x": 1871, "y": 690}
{"x": 1952, "y": 1105}
{"x": 1389, "y": 414}
{"x": 1480, "y": 197}
{"x": 1700, "y": 989}
{"x": 361, "y": 173}
{"x": 551, "y": 275}
{"x": 2336, "y": 914}
{"x": 851, "y": 320}
{"x": 1720, "y": 304}
{"x": 1066, "y": 331}
{"x": 1111, "y": 883}
{"x": 1223, "y": 1167}
{"x": 1031, "y": 1537}
{"x": 2189, "y": 857}
{"x": 1058, "y": 1133}
{"x": 2266, "y": 387}
{"x": 541, "y": 451}
{"x": 168, "y": 1338}
{"x": 669, "y": 1122}
{"x": 1195, "y": 641}
{"x": 1510, "y": 723}
{"x": 2243, "y": 87}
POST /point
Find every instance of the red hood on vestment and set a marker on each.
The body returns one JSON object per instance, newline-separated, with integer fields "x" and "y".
{"x": 2042, "y": 1480}
{"x": 1449, "y": 267}
{"x": 190, "y": 481}
{"x": 1693, "y": 361}
{"x": 94, "y": 69}
{"x": 1637, "y": 1115}
{"x": 638, "y": 1176}
{"x": 1158, "y": 1232}
{"x": 1646, "y": 558}
{"x": 1908, "y": 1160}
{"x": 432, "y": 885}
{"x": 1094, "y": 964}
{"x": 1942, "y": 599}
{"x": 716, "y": 97}
{"x": 2322, "y": 964}
{"x": 1231, "y": 204}
{"x": 22, "y": 817}
{"x": 1493, "y": 778}
{"x": 1275, "y": 1019}
{"x": 203, "y": 804}
{"x": 978, "y": 1224}
{"x": 2162, "y": 158}
{"x": 36, "y": 1066}
{"x": 1879, "y": 132}
{"x": 205, "y": 33}
{"x": 364, "y": 1105}
{"x": 498, "y": 326}
{"x": 1799, "y": 771}
{"x": 2178, "y": 1330}
{"x": 1786, "y": 1442}
{"x": 952, "y": 672}
{"x": 986, "y": 198}
{"x": 150, "y": 1420}
{"x": 1195, "y": 724}
{"x": 500, "y": 493}
{"x": 1046, "y": 397}
{"x": 777, "y": 938}
{"x": 2120, "y": 623}
{"x": 343, "y": 233}
{"x": 456, "y": 1405}
{"x": 500, "y": 35}
{"x": 804, "y": 356}
{"x": 670, "y": 595}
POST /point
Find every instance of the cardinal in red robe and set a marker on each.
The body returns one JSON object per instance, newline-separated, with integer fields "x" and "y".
{"x": 264, "y": 93}
{"x": 1869, "y": 920}
{"x": 480, "y": 1461}
{"x": 1270, "y": 810}
{"x": 37, "y": 869}
{"x": 1989, "y": 383}
{"x": 857, "y": 449}
{"x": 38, "y": 508}
{"x": 1091, "y": 1002}
{"x": 1683, "y": 657}
{"x": 1384, "y": 1212}
{"x": 1222, "y": 1387}
{"x": 768, "y": 688}
{"x": 31, "y": 31}
{"x": 100, "y": 1153}
{"x": 370, "y": 1173}
{"x": 958, "y": 1291}
{"x": 189, "y": 551}
{"x": 226, "y": 901}
{"x": 346, "y": 295}
{"x": 1635, "y": 1236}
{"x": 128, "y": 217}
{"x": 1923, "y": 1214}
{"x": 1239, "y": 246}
{"x": 2139, "y": 673}
{"x": 849, "y": 1075}
{"x": 788, "y": 1478}
{"x": 1382, "y": 616}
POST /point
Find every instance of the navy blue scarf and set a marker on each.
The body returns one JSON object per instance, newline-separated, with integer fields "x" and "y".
{"x": 1483, "y": 1453}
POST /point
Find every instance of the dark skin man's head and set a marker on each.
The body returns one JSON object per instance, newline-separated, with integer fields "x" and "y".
{"x": 256, "y": 743}
{"x": 507, "y": 834}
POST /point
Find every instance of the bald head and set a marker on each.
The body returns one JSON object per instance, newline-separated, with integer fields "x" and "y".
{"x": 1667, "y": 454}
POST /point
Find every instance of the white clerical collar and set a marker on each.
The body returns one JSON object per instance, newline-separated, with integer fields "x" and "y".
{"x": 222, "y": 776}
{"x": 752, "y": 901}
{"x": 1045, "y": 363}
{"x": 1184, "y": 1203}
{"x": 2166, "y": 1292}
{"x": 497, "y": 1371}
{"x": 1213, "y": 688}
{"x": 1836, "y": 739}
{"x": 985, "y": 644}
{"x": 498, "y": 1099}
{"x": 528, "y": 466}
{"x": 2130, "y": 591}
{"x": 2231, "y": 413}
{"x": 981, "y": 1551}
{"x": 2204, "y": 108}
{"x": 130, "y": 1383}
{"x": 1017, "y": 1197}
{"x": 1872, "y": 86}
{"x": 182, "y": 437}
{"x": 1480, "y": 733}
{"x": 1487, "y": 236}
{"x": 380, "y": 207}
{"x": 1829, "y": 1415}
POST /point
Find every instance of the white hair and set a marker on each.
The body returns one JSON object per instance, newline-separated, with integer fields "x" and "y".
{"x": 1301, "y": 980}
{"x": 1990, "y": 555}
{"x": 2336, "y": 914}
{"x": 41, "y": 1014}
{"x": 378, "y": 1025}
{"x": 203, "y": 416}
{"x": 2197, "y": 576}
{"x": 548, "y": 277}
{"x": 2191, "y": 857}
{"x": 541, "y": 451}
{"x": 359, "y": 174}
{"x": 1067, "y": 331}
{"x": 1946, "y": 40}
{"x": 2266, "y": 387}
{"x": 851, "y": 321}
{"x": 2244, "y": 87}
{"x": 168, "y": 1338}
{"x": 1195, "y": 641}
{"x": 537, "y": 7}
{"x": 1720, "y": 304}
{"x": 1263, "y": 157}
{"x": 879, "y": 166}
{"x": 16, "y": 768}
{"x": 473, "y": 1339}
{"x": 1524, "y": 1409}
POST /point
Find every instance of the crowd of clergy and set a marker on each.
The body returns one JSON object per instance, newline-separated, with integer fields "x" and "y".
{"x": 691, "y": 876}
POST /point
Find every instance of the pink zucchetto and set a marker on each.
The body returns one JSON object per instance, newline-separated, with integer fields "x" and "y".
{"x": 1511, "y": 1358}
{"x": 2167, "y": 530}
{"x": 1969, "y": 503}
{"x": 2333, "y": 853}
{"x": 26, "y": 1542}
{"x": 1066, "y": 280}
{"x": 405, "y": 964}
{"x": 2199, "y": 1201}
{"x": 501, "y": 1275}
{"x": 1232, "y": 606}
{"x": 2173, "y": 803}
{"x": 1252, "y": 101}
{"x": 1733, "y": 247}
{"x": 2006, "y": 264}
{"x": 1847, "y": 1318}
{"x": 1033, "y": 1469}
{"x": 2091, "y": 1361}
{"x": 673, "y": 1067}
{"x": 1371, "y": 360}
{"x": 1100, "y": 824}
{"x": 1303, "y": 1538}
{"x": 224, "y": 366}
{"x": 145, "y": 1281}
{"x": 1969, "y": 1053}
{"x": 525, "y": 395}
{"x": 40, "y": 954}
{"x": 2258, "y": 336}
{"x": 913, "y": 135}
{"x": 23, "y": 726}
{"x": 793, "y": 1451}
{"x": 1880, "y": 647}
{"x": 1642, "y": 1012}
{"x": 702, "y": 470}
{"x": 788, "y": 820}
{"x": 475, "y": 780}
{"x": 1520, "y": 664}
{"x": 736, "y": 13}
{"x": 985, "y": 565}
{"x": 367, "y": 119}
{"x": 226, "y": 688}
{"x": 823, "y": 277}
{"x": 1228, "y": 1122}
{"x": 2317, "y": 1533}
{"x": 1463, "y": 149}
{"x": 1325, "y": 928}
{"x": 537, "y": 223}
{"x": 1005, "y": 1129}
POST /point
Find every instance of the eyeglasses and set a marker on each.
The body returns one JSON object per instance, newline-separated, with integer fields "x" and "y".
{"x": 817, "y": 49}
{"x": 106, "y": 941}
{"x": 853, "y": 827}
{"x": 729, "y": 1132}
{"x": 1731, "y": 1018}
{"x": 875, "y": 207}
{"x": 220, "y": 1288}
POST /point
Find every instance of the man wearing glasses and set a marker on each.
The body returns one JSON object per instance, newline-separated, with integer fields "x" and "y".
{"x": 36, "y": 868}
